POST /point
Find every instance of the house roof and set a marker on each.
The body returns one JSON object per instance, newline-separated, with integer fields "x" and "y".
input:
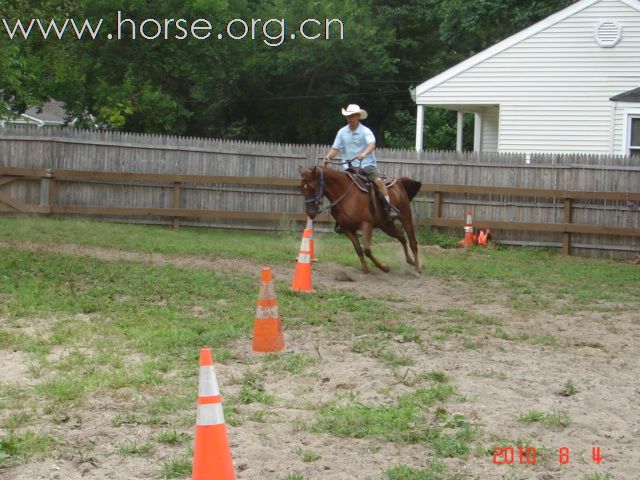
{"x": 510, "y": 41}
{"x": 52, "y": 112}
{"x": 630, "y": 96}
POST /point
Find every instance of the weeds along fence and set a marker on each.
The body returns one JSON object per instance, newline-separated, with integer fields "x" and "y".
{"x": 586, "y": 205}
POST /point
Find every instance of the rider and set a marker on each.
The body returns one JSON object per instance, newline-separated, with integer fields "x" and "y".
{"x": 358, "y": 142}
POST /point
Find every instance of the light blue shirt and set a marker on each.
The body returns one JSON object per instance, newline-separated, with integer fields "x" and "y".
{"x": 352, "y": 143}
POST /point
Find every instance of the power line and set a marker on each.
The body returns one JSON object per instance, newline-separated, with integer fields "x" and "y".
{"x": 333, "y": 95}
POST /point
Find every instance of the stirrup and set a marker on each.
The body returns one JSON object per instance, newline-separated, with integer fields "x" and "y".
{"x": 392, "y": 212}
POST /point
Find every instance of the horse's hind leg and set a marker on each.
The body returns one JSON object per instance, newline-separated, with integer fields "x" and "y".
{"x": 407, "y": 223}
{"x": 356, "y": 244}
{"x": 398, "y": 234}
{"x": 367, "y": 231}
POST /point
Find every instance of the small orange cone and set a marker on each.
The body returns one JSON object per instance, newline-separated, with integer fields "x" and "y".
{"x": 302, "y": 276}
{"x": 267, "y": 329}
{"x": 311, "y": 242}
{"x": 468, "y": 231}
{"x": 211, "y": 452}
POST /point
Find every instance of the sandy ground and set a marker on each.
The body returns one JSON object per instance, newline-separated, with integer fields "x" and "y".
{"x": 500, "y": 379}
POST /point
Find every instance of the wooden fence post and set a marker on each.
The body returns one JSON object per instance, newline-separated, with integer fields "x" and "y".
{"x": 566, "y": 236}
{"x": 175, "y": 221}
{"x": 45, "y": 188}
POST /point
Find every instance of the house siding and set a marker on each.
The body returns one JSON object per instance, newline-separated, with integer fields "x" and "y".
{"x": 553, "y": 88}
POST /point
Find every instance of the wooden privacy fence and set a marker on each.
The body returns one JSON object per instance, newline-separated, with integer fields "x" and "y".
{"x": 585, "y": 204}
{"x": 49, "y": 180}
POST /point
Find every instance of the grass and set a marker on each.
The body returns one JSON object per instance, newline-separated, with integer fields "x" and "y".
{"x": 437, "y": 471}
{"x": 131, "y": 331}
{"x": 569, "y": 389}
{"x": 307, "y": 456}
{"x": 554, "y": 419}
{"x": 598, "y": 476}
{"x": 530, "y": 277}
{"x": 407, "y": 421}
{"x": 132, "y": 447}
{"x": 171, "y": 437}
{"x": 21, "y": 447}
{"x": 179, "y": 467}
{"x": 293, "y": 363}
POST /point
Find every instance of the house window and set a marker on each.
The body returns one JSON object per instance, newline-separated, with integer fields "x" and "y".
{"x": 634, "y": 137}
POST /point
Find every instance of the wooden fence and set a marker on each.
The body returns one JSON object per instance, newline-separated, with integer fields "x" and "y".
{"x": 582, "y": 204}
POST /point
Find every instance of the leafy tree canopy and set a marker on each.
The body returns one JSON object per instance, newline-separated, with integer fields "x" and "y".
{"x": 288, "y": 91}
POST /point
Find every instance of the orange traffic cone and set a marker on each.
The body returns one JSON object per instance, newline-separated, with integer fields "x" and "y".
{"x": 267, "y": 330}
{"x": 468, "y": 231}
{"x": 211, "y": 453}
{"x": 302, "y": 276}
{"x": 311, "y": 242}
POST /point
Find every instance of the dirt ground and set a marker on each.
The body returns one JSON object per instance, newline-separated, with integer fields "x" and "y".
{"x": 500, "y": 379}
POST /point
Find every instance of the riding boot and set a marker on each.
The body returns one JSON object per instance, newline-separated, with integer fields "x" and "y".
{"x": 391, "y": 212}
{"x": 338, "y": 228}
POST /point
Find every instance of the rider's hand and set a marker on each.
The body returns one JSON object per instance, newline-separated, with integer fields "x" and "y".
{"x": 360, "y": 156}
{"x": 325, "y": 160}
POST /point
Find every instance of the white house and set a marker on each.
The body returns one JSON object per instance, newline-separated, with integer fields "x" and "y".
{"x": 568, "y": 84}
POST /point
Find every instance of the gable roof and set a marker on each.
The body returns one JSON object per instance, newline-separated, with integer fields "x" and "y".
{"x": 630, "y": 96}
{"x": 510, "y": 41}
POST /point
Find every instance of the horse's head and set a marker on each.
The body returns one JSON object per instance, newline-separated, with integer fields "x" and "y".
{"x": 312, "y": 187}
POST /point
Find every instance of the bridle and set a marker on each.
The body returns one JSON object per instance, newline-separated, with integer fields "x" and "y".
{"x": 318, "y": 197}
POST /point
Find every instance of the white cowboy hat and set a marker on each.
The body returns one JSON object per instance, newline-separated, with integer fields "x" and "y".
{"x": 352, "y": 109}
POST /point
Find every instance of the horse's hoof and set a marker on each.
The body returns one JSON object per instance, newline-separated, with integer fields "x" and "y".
{"x": 384, "y": 268}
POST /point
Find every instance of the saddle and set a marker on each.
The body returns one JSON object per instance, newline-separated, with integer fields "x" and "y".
{"x": 361, "y": 181}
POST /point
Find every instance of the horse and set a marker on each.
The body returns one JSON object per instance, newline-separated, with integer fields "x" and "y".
{"x": 355, "y": 210}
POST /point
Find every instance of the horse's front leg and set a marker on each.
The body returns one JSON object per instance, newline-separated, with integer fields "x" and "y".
{"x": 356, "y": 244}
{"x": 367, "y": 232}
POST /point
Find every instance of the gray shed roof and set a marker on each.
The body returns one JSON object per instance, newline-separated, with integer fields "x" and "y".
{"x": 630, "y": 96}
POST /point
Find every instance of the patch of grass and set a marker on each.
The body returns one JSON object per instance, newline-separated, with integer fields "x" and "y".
{"x": 132, "y": 447}
{"x": 546, "y": 340}
{"x": 171, "y": 437}
{"x": 17, "y": 419}
{"x": 437, "y": 471}
{"x": 307, "y": 456}
{"x": 252, "y": 391}
{"x": 531, "y": 416}
{"x": 24, "y": 446}
{"x": 555, "y": 419}
{"x": 293, "y": 363}
{"x": 491, "y": 373}
{"x": 176, "y": 468}
{"x": 408, "y": 421}
{"x": 377, "y": 349}
{"x": 127, "y": 418}
{"x": 436, "y": 376}
{"x": 598, "y": 476}
{"x": 401, "y": 333}
{"x": 261, "y": 415}
{"x": 568, "y": 389}
{"x": 294, "y": 476}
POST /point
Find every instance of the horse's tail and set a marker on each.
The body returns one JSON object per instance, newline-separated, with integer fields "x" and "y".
{"x": 412, "y": 187}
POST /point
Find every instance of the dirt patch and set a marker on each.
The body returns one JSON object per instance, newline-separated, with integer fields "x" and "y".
{"x": 522, "y": 363}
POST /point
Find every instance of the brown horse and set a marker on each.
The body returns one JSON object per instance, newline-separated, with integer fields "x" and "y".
{"x": 356, "y": 210}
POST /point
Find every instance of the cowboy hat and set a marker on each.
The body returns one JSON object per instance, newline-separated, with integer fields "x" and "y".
{"x": 353, "y": 109}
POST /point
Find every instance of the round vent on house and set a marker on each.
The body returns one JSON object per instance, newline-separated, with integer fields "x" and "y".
{"x": 608, "y": 33}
